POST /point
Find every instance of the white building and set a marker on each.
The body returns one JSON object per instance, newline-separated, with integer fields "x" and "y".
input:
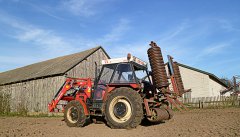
{"x": 201, "y": 83}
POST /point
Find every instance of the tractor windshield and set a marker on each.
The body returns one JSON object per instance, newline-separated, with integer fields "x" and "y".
{"x": 123, "y": 74}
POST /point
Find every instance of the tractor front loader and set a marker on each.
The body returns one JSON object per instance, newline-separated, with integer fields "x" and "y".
{"x": 118, "y": 94}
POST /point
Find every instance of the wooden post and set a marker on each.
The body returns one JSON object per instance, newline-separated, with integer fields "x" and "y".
{"x": 215, "y": 101}
{"x": 199, "y": 103}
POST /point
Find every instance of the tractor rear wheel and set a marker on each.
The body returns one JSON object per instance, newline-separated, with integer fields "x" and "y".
{"x": 123, "y": 108}
{"x": 74, "y": 114}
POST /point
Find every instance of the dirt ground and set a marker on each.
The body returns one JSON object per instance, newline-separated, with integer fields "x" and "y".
{"x": 207, "y": 122}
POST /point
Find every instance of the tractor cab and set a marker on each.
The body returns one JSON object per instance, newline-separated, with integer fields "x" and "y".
{"x": 120, "y": 72}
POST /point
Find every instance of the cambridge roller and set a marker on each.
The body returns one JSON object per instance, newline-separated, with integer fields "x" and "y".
{"x": 159, "y": 75}
{"x": 178, "y": 78}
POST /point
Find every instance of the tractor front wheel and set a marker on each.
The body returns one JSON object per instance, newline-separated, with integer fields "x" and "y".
{"x": 74, "y": 114}
{"x": 123, "y": 108}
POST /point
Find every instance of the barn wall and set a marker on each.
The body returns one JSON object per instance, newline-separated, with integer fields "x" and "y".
{"x": 215, "y": 88}
{"x": 33, "y": 95}
{"x": 87, "y": 67}
{"x": 198, "y": 82}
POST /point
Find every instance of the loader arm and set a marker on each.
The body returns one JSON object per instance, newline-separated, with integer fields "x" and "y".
{"x": 84, "y": 84}
{"x": 59, "y": 95}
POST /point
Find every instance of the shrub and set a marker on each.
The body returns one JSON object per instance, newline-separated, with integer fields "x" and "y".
{"x": 5, "y": 103}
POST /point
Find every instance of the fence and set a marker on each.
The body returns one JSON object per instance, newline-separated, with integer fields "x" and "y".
{"x": 211, "y": 102}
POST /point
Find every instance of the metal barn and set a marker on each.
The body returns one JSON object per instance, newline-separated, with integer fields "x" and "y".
{"x": 32, "y": 87}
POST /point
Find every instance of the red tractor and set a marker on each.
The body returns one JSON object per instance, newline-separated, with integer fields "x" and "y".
{"x": 118, "y": 95}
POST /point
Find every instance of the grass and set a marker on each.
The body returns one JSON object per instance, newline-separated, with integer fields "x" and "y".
{"x": 21, "y": 110}
{"x": 5, "y": 103}
{"x": 5, "y": 106}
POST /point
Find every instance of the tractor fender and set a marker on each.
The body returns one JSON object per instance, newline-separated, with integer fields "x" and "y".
{"x": 109, "y": 89}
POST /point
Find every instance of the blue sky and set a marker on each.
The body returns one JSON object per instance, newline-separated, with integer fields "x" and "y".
{"x": 204, "y": 34}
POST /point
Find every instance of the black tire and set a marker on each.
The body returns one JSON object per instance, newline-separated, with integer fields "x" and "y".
{"x": 133, "y": 114}
{"x": 170, "y": 112}
{"x": 74, "y": 114}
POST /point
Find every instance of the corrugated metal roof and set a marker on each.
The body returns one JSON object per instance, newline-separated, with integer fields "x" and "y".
{"x": 207, "y": 73}
{"x": 52, "y": 67}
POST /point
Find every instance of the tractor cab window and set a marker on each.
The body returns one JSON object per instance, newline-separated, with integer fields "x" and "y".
{"x": 107, "y": 73}
{"x": 123, "y": 74}
{"x": 141, "y": 72}
{"x": 141, "y": 75}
